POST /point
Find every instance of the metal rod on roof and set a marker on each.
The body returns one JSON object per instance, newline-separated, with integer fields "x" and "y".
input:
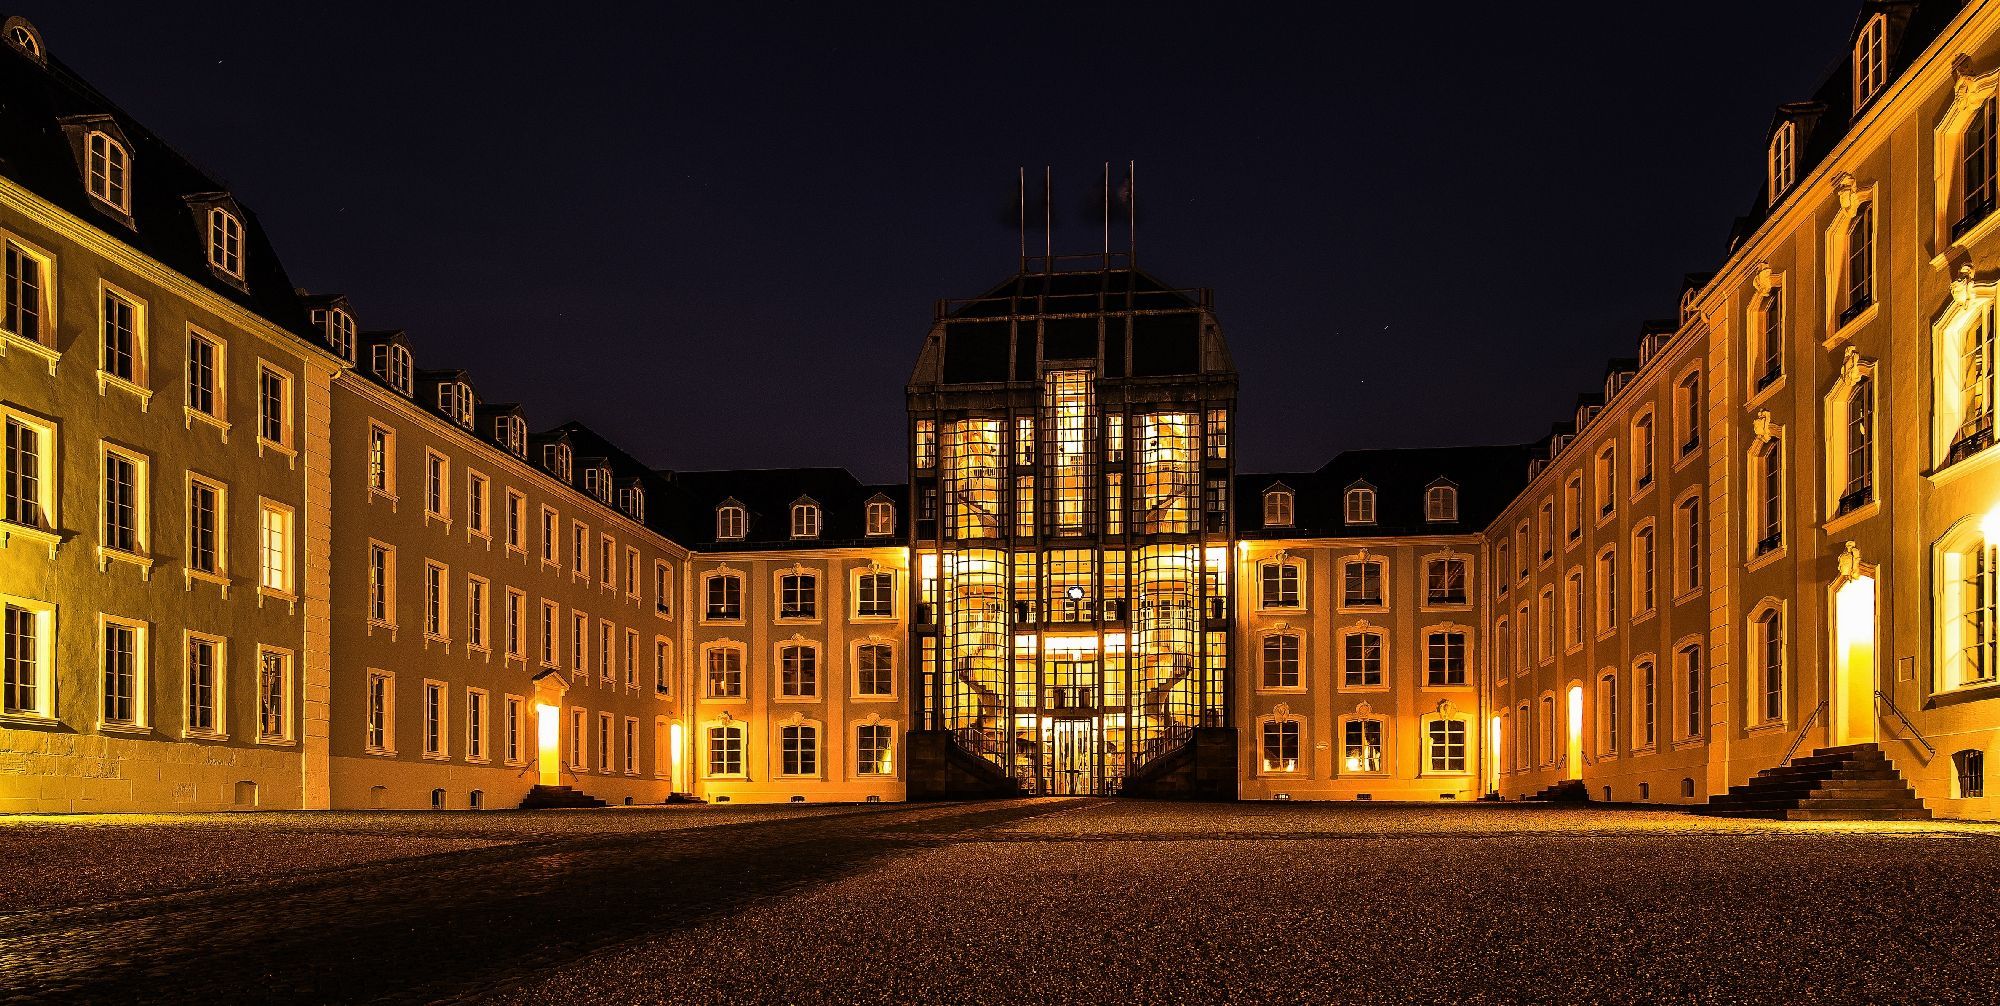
{"x": 1107, "y": 214}
{"x": 1021, "y": 209}
{"x": 1132, "y": 212}
{"x": 1048, "y": 216}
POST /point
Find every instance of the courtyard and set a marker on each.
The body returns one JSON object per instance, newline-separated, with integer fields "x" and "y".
{"x": 1074, "y": 900}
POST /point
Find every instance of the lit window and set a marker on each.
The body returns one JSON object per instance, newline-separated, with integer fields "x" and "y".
{"x": 274, "y": 536}
{"x": 1445, "y": 745}
{"x": 1280, "y": 584}
{"x": 725, "y": 672}
{"x": 1968, "y": 599}
{"x": 725, "y": 750}
{"x": 874, "y": 750}
{"x": 1360, "y": 506}
{"x": 109, "y": 170}
{"x": 1607, "y": 715}
{"x": 274, "y": 695}
{"x": 1280, "y": 660}
{"x": 225, "y": 242}
{"x": 881, "y": 518}
{"x": 1278, "y": 508}
{"x": 1361, "y": 746}
{"x": 1279, "y": 750}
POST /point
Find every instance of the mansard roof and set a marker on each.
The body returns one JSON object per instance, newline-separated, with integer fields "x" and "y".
{"x": 1487, "y": 479}
{"x": 767, "y": 494}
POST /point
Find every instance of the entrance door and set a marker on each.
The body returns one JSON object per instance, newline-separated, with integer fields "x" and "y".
{"x": 1073, "y": 757}
{"x": 1851, "y": 694}
{"x": 1574, "y": 753}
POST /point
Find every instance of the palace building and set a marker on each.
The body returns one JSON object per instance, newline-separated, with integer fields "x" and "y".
{"x": 253, "y": 554}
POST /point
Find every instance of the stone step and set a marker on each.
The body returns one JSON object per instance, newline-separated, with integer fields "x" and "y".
{"x": 1872, "y": 814}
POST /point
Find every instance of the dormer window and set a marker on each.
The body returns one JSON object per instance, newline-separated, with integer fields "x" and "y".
{"x": 1784, "y": 160}
{"x": 1359, "y": 505}
{"x": 881, "y": 518}
{"x": 597, "y": 482}
{"x": 632, "y": 500}
{"x": 512, "y": 433}
{"x": 1278, "y": 508}
{"x": 455, "y": 401}
{"x": 555, "y": 457}
{"x": 338, "y": 327}
{"x": 805, "y": 519}
{"x": 225, "y": 242}
{"x": 730, "y": 522}
{"x": 391, "y": 363}
{"x": 108, "y": 171}
{"x": 1440, "y": 504}
{"x": 23, "y": 36}
{"x": 1871, "y": 60}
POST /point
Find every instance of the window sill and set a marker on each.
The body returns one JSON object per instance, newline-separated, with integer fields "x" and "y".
{"x": 107, "y": 381}
{"x": 865, "y": 698}
{"x": 29, "y": 721}
{"x": 190, "y": 414}
{"x": 861, "y": 618}
{"x": 1640, "y": 617}
{"x": 1643, "y": 489}
{"x": 722, "y": 698}
{"x": 125, "y": 729}
{"x": 795, "y": 620}
{"x": 437, "y": 757}
{"x": 291, "y": 457}
{"x": 107, "y": 555}
{"x": 1687, "y": 743}
{"x": 1973, "y": 235}
{"x": 40, "y": 536}
{"x": 10, "y": 340}
{"x": 379, "y": 752}
{"x": 1772, "y": 727}
{"x": 1978, "y": 691}
{"x": 1281, "y": 689}
{"x": 1852, "y": 517}
{"x": 1960, "y": 468}
{"x": 205, "y": 736}
{"x": 1842, "y": 331}
{"x": 1759, "y": 562}
{"x": 1460, "y": 687}
{"x": 1687, "y": 595}
{"x": 1759, "y": 396}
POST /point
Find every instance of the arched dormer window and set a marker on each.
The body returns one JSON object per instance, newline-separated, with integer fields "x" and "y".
{"x": 1441, "y": 503}
{"x": 731, "y": 521}
{"x": 512, "y": 433}
{"x": 1278, "y": 507}
{"x": 632, "y": 500}
{"x": 392, "y": 364}
{"x": 1358, "y": 505}
{"x": 881, "y": 518}
{"x": 108, "y": 170}
{"x": 225, "y": 242}
{"x": 556, "y": 458}
{"x": 1783, "y": 161}
{"x": 805, "y": 519}
{"x": 337, "y": 325}
{"x": 25, "y": 37}
{"x": 456, "y": 402}
{"x": 1871, "y": 60}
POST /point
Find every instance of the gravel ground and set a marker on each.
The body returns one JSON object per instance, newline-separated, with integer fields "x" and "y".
{"x": 1023, "y": 901}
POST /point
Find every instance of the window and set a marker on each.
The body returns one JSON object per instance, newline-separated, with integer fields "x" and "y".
{"x": 1546, "y": 530}
{"x": 549, "y": 542}
{"x": 1280, "y": 661}
{"x": 725, "y": 750}
{"x": 798, "y": 595}
{"x": 204, "y": 684}
{"x": 1871, "y": 60}
{"x": 604, "y": 650}
{"x": 551, "y": 620}
{"x": 381, "y": 720}
{"x": 1444, "y": 658}
{"x": 1642, "y": 452}
{"x": 1643, "y": 579}
{"x": 631, "y": 572}
{"x": 437, "y": 486}
{"x": 1968, "y": 597}
{"x": 1606, "y": 486}
{"x": 805, "y": 520}
{"x": 579, "y": 550}
{"x": 516, "y": 518}
{"x": 1280, "y": 746}
{"x": 516, "y": 729}
{"x": 1607, "y": 715}
{"x": 1767, "y": 487}
{"x": 1783, "y": 161}
{"x": 1688, "y": 412}
{"x": 874, "y": 750}
{"x": 1607, "y": 591}
{"x": 1361, "y": 745}
{"x": 1361, "y": 659}
{"x": 1361, "y": 583}
{"x": 1218, "y": 434}
{"x": 557, "y": 459}
{"x": 274, "y": 407}
{"x": 516, "y": 627}
{"x": 1545, "y": 625}
{"x": 434, "y": 713}
{"x": 475, "y": 505}
{"x": 204, "y": 375}
{"x": 456, "y": 401}
{"x": 108, "y": 171}
{"x": 663, "y": 588}
{"x": 798, "y": 671}
{"x": 475, "y": 612}
{"x": 512, "y": 433}
{"x": 1857, "y": 287}
{"x": 381, "y": 459}
{"x": 475, "y": 725}
{"x": 1279, "y": 582}
{"x": 27, "y": 658}
{"x": 123, "y": 679}
{"x": 881, "y": 518}
{"x": 31, "y": 471}
{"x": 1767, "y": 657}
{"x": 926, "y": 443}
{"x": 1768, "y": 321}
{"x": 579, "y": 643}
{"x": 274, "y": 538}
{"x": 725, "y": 672}
{"x": 798, "y": 747}
{"x": 1688, "y": 528}
{"x": 125, "y": 493}
{"x": 30, "y": 307}
{"x": 1854, "y": 460}
{"x": 1573, "y": 508}
{"x": 1694, "y": 697}
{"x": 435, "y": 612}
{"x": 122, "y": 350}
{"x": 1647, "y": 700}
{"x": 1445, "y": 745}
{"x": 1278, "y": 508}
{"x": 875, "y": 595}
{"x": 274, "y": 695}
{"x": 1444, "y": 581}
{"x": 1440, "y": 504}
{"x": 381, "y": 584}
{"x": 1359, "y": 507}
{"x": 607, "y": 551}
{"x": 1573, "y": 609}
{"x": 392, "y": 364}
{"x": 725, "y": 597}
{"x": 339, "y": 328}
{"x": 663, "y": 667}
{"x": 1979, "y": 167}
{"x": 1969, "y": 771}
{"x": 225, "y": 242}
{"x": 730, "y": 520}
{"x": 874, "y": 671}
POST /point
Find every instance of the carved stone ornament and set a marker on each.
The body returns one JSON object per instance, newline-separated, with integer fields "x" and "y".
{"x": 1281, "y": 710}
{"x": 1850, "y": 562}
{"x": 1763, "y": 428}
{"x": 1850, "y": 367}
{"x": 1762, "y": 279}
{"x": 1445, "y": 707}
{"x": 1961, "y": 286}
{"x": 1846, "y": 191}
{"x": 1364, "y": 709}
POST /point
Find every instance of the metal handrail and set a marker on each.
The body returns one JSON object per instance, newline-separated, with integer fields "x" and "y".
{"x": 1801, "y": 738}
{"x": 1915, "y": 734}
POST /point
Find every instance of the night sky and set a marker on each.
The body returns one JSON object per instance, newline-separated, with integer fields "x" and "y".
{"x": 716, "y": 233}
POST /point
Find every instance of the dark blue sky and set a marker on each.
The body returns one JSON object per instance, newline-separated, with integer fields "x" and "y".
{"x": 716, "y": 233}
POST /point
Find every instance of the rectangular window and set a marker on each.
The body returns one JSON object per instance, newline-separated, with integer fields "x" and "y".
{"x": 606, "y": 567}
{"x": 799, "y": 750}
{"x": 1361, "y": 584}
{"x": 1643, "y": 580}
{"x": 381, "y": 459}
{"x": 516, "y": 729}
{"x": 274, "y": 695}
{"x": 1695, "y": 696}
{"x": 725, "y": 673}
{"x": 123, "y": 663}
{"x": 604, "y": 651}
{"x": 123, "y": 350}
{"x": 436, "y": 611}
{"x": 204, "y": 684}
{"x": 381, "y": 738}
{"x": 1444, "y": 661}
{"x": 475, "y": 505}
{"x": 517, "y": 616}
{"x": 551, "y": 619}
{"x": 29, "y": 309}
{"x": 874, "y": 750}
{"x": 1607, "y": 591}
{"x": 204, "y": 375}
{"x": 632, "y": 573}
{"x": 437, "y": 485}
{"x": 1279, "y": 746}
{"x": 1573, "y": 609}
{"x": 549, "y": 537}
{"x": 475, "y": 612}
{"x": 27, "y": 665}
{"x": 1647, "y": 704}
{"x": 579, "y": 643}
{"x": 630, "y": 750}
{"x": 798, "y": 595}
{"x": 1689, "y": 527}
{"x": 632, "y": 660}
{"x": 663, "y": 588}
{"x": 381, "y": 584}
{"x": 205, "y": 535}
{"x": 1447, "y": 745}
{"x": 875, "y": 595}
{"x": 663, "y": 668}
{"x": 434, "y": 713}
{"x": 1361, "y": 660}
{"x": 31, "y": 472}
{"x": 579, "y": 549}
{"x": 1280, "y": 584}
{"x": 475, "y": 725}
{"x": 274, "y": 406}
{"x": 517, "y": 532}
{"x": 604, "y": 722}
{"x": 124, "y": 501}
{"x": 1280, "y": 661}
{"x": 725, "y": 751}
{"x": 274, "y": 546}
{"x": 874, "y": 671}
{"x": 1444, "y": 581}
{"x": 1361, "y": 746}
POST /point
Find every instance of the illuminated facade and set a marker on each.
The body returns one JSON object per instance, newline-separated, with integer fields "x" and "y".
{"x": 253, "y": 555}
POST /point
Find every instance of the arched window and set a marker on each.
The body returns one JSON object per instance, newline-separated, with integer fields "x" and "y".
{"x": 1607, "y": 715}
{"x": 24, "y": 37}
{"x": 225, "y": 242}
{"x": 805, "y": 519}
{"x": 1767, "y": 465}
{"x": 1871, "y": 60}
{"x": 1360, "y": 505}
{"x": 339, "y": 329}
{"x": 1979, "y": 167}
{"x": 1278, "y": 508}
{"x": 1440, "y": 504}
{"x": 1859, "y": 280}
{"x": 1280, "y": 661}
{"x": 1770, "y": 358}
{"x": 725, "y": 597}
{"x": 1968, "y": 595}
{"x": 1767, "y": 656}
{"x": 108, "y": 170}
{"x": 881, "y": 518}
{"x": 731, "y": 522}
{"x": 1279, "y": 584}
{"x": 1783, "y": 163}
{"x": 1644, "y": 704}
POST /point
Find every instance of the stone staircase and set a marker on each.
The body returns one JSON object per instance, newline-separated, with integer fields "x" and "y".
{"x": 1853, "y": 782}
{"x": 1566, "y": 791}
{"x": 558, "y": 797}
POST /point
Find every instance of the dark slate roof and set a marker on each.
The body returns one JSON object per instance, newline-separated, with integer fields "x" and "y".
{"x": 1487, "y": 478}
{"x": 1063, "y": 316}
{"x": 36, "y": 153}
{"x": 768, "y": 493}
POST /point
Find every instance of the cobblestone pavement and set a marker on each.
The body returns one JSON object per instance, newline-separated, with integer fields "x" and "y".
{"x": 1021, "y": 901}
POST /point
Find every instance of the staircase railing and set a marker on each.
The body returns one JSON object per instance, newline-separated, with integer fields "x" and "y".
{"x": 1915, "y": 734}
{"x": 1803, "y": 730}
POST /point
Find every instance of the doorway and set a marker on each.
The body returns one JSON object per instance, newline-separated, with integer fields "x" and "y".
{"x": 1851, "y": 693}
{"x": 1072, "y": 758}
{"x": 1573, "y": 754}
